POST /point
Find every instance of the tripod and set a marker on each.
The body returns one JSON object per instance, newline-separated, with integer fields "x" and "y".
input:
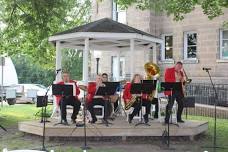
{"x": 215, "y": 115}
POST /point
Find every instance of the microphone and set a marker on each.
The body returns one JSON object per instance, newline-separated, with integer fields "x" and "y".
{"x": 58, "y": 70}
{"x": 206, "y": 69}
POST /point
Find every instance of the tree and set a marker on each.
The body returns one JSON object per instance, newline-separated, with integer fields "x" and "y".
{"x": 178, "y": 8}
{"x": 29, "y": 23}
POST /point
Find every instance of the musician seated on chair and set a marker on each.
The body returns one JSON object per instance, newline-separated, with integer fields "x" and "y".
{"x": 135, "y": 100}
{"x": 174, "y": 74}
{"x": 114, "y": 98}
{"x": 93, "y": 99}
{"x": 63, "y": 101}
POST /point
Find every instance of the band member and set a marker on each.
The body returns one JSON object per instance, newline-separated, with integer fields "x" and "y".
{"x": 93, "y": 99}
{"x": 63, "y": 101}
{"x": 114, "y": 98}
{"x": 174, "y": 74}
{"x": 127, "y": 96}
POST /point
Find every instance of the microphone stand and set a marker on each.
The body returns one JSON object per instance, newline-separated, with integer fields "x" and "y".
{"x": 44, "y": 114}
{"x": 215, "y": 115}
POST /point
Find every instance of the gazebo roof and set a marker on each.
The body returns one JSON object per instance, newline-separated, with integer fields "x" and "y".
{"x": 105, "y": 25}
{"x": 105, "y": 34}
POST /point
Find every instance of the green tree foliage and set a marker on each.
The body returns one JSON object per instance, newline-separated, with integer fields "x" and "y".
{"x": 32, "y": 72}
{"x": 29, "y": 23}
{"x": 178, "y": 8}
{"x": 25, "y": 26}
{"x": 72, "y": 62}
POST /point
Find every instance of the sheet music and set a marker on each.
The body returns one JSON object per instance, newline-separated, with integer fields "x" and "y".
{"x": 74, "y": 87}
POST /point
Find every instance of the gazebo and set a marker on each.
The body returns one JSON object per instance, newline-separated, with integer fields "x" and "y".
{"x": 104, "y": 35}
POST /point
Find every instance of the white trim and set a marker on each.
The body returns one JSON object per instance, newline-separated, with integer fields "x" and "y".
{"x": 104, "y": 35}
{"x": 163, "y": 47}
{"x": 104, "y": 48}
{"x": 185, "y": 45}
{"x": 220, "y": 44}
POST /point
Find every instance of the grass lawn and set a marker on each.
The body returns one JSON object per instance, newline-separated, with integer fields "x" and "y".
{"x": 11, "y": 115}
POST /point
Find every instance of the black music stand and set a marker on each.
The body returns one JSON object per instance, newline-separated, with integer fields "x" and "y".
{"x": 189, "y": 102}
{"x": 170, "y": 86}
{"x": 62, "y": 90}
{"x": 145, "y": 87}
{"x": 41, "y": 101}
{"x": 105, "y": 91}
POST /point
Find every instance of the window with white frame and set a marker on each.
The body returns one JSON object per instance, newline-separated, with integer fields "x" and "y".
{"x": 119, "y": 13}
{"x": 190, "y": 45}
{"x": 167, "y": 50}
{"x": 223, "y": 44}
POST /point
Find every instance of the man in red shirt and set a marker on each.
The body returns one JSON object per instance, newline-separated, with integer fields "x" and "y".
{"x": 63, "y": 101}
{"x": 174, "y": 74}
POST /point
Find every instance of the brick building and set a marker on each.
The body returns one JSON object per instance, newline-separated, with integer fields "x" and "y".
{"x": 196, "y": 41}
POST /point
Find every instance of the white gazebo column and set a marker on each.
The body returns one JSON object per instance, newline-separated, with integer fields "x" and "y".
{"x": 85, "y": 61}
{"x": 132, "y": 48}
{"x": 154, "y": 53}
{"x": 58, "y": 60}
{"x": 118, "y": 66}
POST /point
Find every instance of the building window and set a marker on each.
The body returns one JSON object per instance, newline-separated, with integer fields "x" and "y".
{"x": 119, "y": 13}
{"x": 223, "y": 44}
{"x": 167, "y": 50}
{"x": 190, "y": 45}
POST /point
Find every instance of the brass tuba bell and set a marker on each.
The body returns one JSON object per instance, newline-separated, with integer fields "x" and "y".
{"x": 151, "y": 70}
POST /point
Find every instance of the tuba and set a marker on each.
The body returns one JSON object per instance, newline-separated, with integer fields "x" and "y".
{"x": 151, "y": 71}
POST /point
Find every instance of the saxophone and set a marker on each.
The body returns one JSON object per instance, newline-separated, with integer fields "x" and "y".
{"x": 131, "y": 102}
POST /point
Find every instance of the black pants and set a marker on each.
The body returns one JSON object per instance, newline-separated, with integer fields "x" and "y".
{"x": 178, "y": 96}
{"x": 137, "y": 106}
{"x": 70, "y": 100}
{"x": 99, "y": 101}
{"x": 155, "y": 102}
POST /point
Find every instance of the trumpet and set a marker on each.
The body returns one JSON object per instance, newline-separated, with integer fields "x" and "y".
{"x": 187, "y": 80}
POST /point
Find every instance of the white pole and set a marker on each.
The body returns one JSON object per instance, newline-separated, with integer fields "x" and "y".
{"x": 58, "y": 60}
{"x": 85, "y": 61}
{"x": 2, "y": 88}
{"x": 132, "y": 48}
{"x": 118, "y": 66}
{"x": 154, "y": 53}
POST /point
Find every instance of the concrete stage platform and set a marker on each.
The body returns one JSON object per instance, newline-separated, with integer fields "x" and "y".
{"x": 119, "y": 128}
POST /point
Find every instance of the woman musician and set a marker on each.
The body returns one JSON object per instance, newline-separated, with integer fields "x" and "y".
{"x": 136, "y": 104}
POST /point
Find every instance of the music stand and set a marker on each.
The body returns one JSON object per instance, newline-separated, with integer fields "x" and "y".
{"x": 107, "y": 90}
{"x": 189, "y": 102}
{"x": 41, "y": 101}
{"x": 62, "y": 90}
{"x": 145, "y": 87}
{"x": 170, "y": 86}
